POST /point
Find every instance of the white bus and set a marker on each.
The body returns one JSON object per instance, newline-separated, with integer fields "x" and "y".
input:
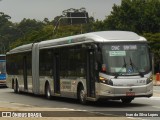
{"x": 99, "y": 65}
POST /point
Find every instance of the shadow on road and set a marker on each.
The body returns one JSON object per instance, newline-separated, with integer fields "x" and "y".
{"x": 102, "y": 104}
{"x": 3, "y": 87}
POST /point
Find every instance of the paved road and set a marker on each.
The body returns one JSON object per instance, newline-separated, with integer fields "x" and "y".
{"x": 139, "y": 104}
{"x": 157, "y": 89}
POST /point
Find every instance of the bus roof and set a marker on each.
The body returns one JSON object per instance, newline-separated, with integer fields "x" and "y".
{"x": 23, "y": 48}
{"x": 102, "y": 36}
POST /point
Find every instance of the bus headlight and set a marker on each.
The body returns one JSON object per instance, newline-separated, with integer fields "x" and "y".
{"x": 106, "y": 81}
{"x": 150, "y": 79}
{"x": 110, "y": 82}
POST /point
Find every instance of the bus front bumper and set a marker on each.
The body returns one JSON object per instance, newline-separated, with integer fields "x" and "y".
{"x": 107, "y": 91}
{"x": 2, "y": 82}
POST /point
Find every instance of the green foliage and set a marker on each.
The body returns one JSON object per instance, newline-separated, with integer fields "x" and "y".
{"x": 154, "y": 42}
{"x": 45, "y": 33}
{"x": 4, "y": 31}
{"x": 140, "y": 16}
{"x": 135, "y": 15}
{"x": 152, "y": 37}
{"x": 98, "y": 26}
{"x": 29, "y": 31}
{"x": 28, "y": 25}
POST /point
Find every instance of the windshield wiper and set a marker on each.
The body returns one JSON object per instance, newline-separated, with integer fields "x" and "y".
{"x": 124, "y": 66}
{"x": 134, "y": 66}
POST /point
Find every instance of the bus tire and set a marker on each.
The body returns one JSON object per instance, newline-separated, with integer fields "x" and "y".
{"x": 48, "y": 91}
{"x": 12, "y": 84}
{"x": 82, "y": 95}
{"x": 126, "y": 100}
{"x": 16, "y": 87}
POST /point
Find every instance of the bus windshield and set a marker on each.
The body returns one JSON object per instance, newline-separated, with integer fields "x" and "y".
{"x": 125, "y": 58}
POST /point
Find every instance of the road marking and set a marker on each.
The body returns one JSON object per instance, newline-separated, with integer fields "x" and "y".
{"x": 157, "y": 90}
{"x": 152, "y": 98}
{"x": 155, "y": 98}
{"x": 156, "y": 107}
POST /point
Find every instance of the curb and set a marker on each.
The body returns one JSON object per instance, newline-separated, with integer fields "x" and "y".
{"x": 156, "y": 83}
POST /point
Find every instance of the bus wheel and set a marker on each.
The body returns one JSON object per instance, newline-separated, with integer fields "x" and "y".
{"x": 16, "y": 87}
{"x": 126, "y": 100}
{"x": 82, "y": 96}
{"x": 48, "y": 91}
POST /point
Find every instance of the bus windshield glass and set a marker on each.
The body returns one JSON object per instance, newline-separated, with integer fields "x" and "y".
{"x": 125, "y": 58}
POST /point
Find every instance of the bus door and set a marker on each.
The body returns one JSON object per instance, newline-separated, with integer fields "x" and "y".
{"x": 90, "y": 73}
{"x": 25, "y": 73}
{"x": 56, "y": 73}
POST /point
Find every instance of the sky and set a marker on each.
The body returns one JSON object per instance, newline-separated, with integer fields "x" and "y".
{"x": 40, "y": 9}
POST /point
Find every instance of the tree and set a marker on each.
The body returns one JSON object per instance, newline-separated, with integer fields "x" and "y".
{"x": 154, "y": 42}
{"x": 4, "y": 31}
{"x": 44, "y": 33}
{"x": 27, "y": 25}
{"x": 140, "y": 16}
{"x": 4, "y": 21}
{"x": 46, "y": 21}
{"x": 135, "y": 15}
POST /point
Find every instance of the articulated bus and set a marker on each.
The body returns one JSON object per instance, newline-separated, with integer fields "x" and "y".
{"x": 2, "y": 70}
{"x": 102, "y": 65}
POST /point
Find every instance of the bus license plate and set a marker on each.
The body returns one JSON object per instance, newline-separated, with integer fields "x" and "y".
{"x": 130, "y": 93}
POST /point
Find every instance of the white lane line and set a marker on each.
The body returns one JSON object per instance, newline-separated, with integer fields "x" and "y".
{"x": 156, "y": 107}
{"x": 156, "y": 90}
{"x": 155, "y": 98}
{"x": 152, "y": 98}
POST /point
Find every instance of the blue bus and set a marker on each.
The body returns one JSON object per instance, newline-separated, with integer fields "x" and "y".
{"x": 2, "y": 70}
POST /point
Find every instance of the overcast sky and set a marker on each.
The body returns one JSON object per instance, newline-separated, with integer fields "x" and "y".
{"x": 40, "y": 9}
